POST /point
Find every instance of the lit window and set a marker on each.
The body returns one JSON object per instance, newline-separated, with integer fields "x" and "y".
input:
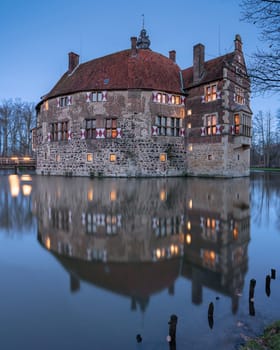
{"x": 239, "y": 96}
{"x": 162, "y": 157}
{"x": 89, "y": 157}
{"x": 189, "y": 125}
{"x": 211, "y": 123}
{"x": 113, "y": 157}
{"x": 189, "y": 112}
{"x": 211, "y": 93}
{"x": 111, "y": 128}
{"x": 242, "y": 124}
{"x": 46, "y": 105}
{"x": 236, "y": 123}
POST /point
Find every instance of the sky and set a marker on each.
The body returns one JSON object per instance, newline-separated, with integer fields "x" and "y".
{"x": 36, "y": 37}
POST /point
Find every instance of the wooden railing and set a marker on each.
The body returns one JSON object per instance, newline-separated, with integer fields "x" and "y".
{"x": 17, "y": 162}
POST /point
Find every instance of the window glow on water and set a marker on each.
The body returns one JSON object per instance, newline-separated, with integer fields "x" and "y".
{"x": 70, "y": 283}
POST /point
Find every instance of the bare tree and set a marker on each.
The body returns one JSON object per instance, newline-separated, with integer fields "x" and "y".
{"x": 16, "y": 120}
{"x": 264, "y": 68}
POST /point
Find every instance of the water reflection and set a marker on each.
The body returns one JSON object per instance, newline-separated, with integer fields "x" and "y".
{"x": 152, "y": 231}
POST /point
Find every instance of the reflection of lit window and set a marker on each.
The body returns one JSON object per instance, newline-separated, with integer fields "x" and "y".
{"x": 162, "y": 157}
{"x": 113, "y": 195}
{"x": 188, "y": 239}
{"x": 162, "y": 195}
{"x": 235, "y": 233}
{"x": 189, "y": 112}
{"x": 209, "y": 258}
{"x": 190, "y": 147}
{"x": 14, "y": 185}
{"x": 26, "y": 190}
{"x": 189, "y": 225}
{"x": 190, "y": 204}
{"x": 158, "y": 253}
{"x": 26, "y": 177}
{"x": 90, "y": 194}
{"x": 48, "y": 243}
{"x": 113, "y": 157}
{"x": 89, "y": 157}
{"x": 189, "y": 125}
{"x": 57, "y": 158}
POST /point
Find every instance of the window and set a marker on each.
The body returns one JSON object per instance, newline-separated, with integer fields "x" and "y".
{"x": 211, "y": 122}
{"x": 64, "y": 101}
{"x": 168, "y": 126}
{"x": 162, "y": 157}
{"x": 239, "y": 96}
{"x": 211, "y": 93}
{"x": 113, "y": 157}
{"x": 59, "y": 131}
{"x": 96, "y": 96}
{"x": 111, "y": 128}
{"x": 89, "y": 157}
{"x": 236, "y": 123}
{"x": 90, "y": 128}
{"x": 162, "y": 97}
{"x": 242, "y": 124}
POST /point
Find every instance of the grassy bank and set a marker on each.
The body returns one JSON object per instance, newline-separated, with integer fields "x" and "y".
{"x": 270, "y": 340}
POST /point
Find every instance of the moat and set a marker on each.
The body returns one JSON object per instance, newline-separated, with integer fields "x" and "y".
{"x": 91, "y": 263}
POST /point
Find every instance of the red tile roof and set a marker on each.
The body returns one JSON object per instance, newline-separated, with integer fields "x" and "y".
{"x": 121, "y": 70}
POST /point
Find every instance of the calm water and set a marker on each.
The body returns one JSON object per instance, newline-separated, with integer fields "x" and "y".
{"x": 90, "y": 263}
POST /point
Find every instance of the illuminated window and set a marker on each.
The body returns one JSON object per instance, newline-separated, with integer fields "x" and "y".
{"x": 175, "y": 100}
{"x": 113, "y": 157}
{"x": 210, "y": 93}
{"x": 162, "y": 98}
{"x": 239, "y": 96}
{"x": 111, "y": 128}
{"x": 168, "y": 126}
{"x": 211, "y": 124}
{"x": 242, "y": 124}
{"x": 89, "y": 157}
{"x": 162, "y": 157}
{"x": 189, "y": 125}
{"x": 46, "y": 105}
{"x": 189, "y": 112}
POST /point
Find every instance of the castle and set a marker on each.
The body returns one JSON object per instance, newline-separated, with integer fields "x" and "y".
{"x": 136, "y": 113}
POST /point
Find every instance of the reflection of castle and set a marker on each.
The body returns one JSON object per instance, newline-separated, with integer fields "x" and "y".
{"x": 136, "y": 237}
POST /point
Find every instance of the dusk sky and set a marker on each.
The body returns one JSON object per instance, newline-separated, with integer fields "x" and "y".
{"x": 36, "y": 37}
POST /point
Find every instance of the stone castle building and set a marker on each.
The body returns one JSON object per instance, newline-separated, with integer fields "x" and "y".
{"x": 137, "y": 113}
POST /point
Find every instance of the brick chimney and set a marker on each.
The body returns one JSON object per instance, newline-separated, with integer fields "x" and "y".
{"x": 73, "y": 61}
{"x": 172, "y": 55}
{"x": 198, "y": 62}
{"x": 133, "y": 40}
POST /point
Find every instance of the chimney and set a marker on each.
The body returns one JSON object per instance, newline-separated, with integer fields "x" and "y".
{"x": 172, "y": 55}
{"x": 133, "y": 40}
{"x": 238, "y": 43}
{"x": 198, "y": 62}
{"x": 73, "y": 61}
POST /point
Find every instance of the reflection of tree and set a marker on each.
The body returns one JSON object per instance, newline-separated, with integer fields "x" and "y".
{"x": 265, "y": 194}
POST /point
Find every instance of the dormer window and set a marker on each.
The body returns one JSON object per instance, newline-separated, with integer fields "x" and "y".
{"x": 210, "y": 93}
